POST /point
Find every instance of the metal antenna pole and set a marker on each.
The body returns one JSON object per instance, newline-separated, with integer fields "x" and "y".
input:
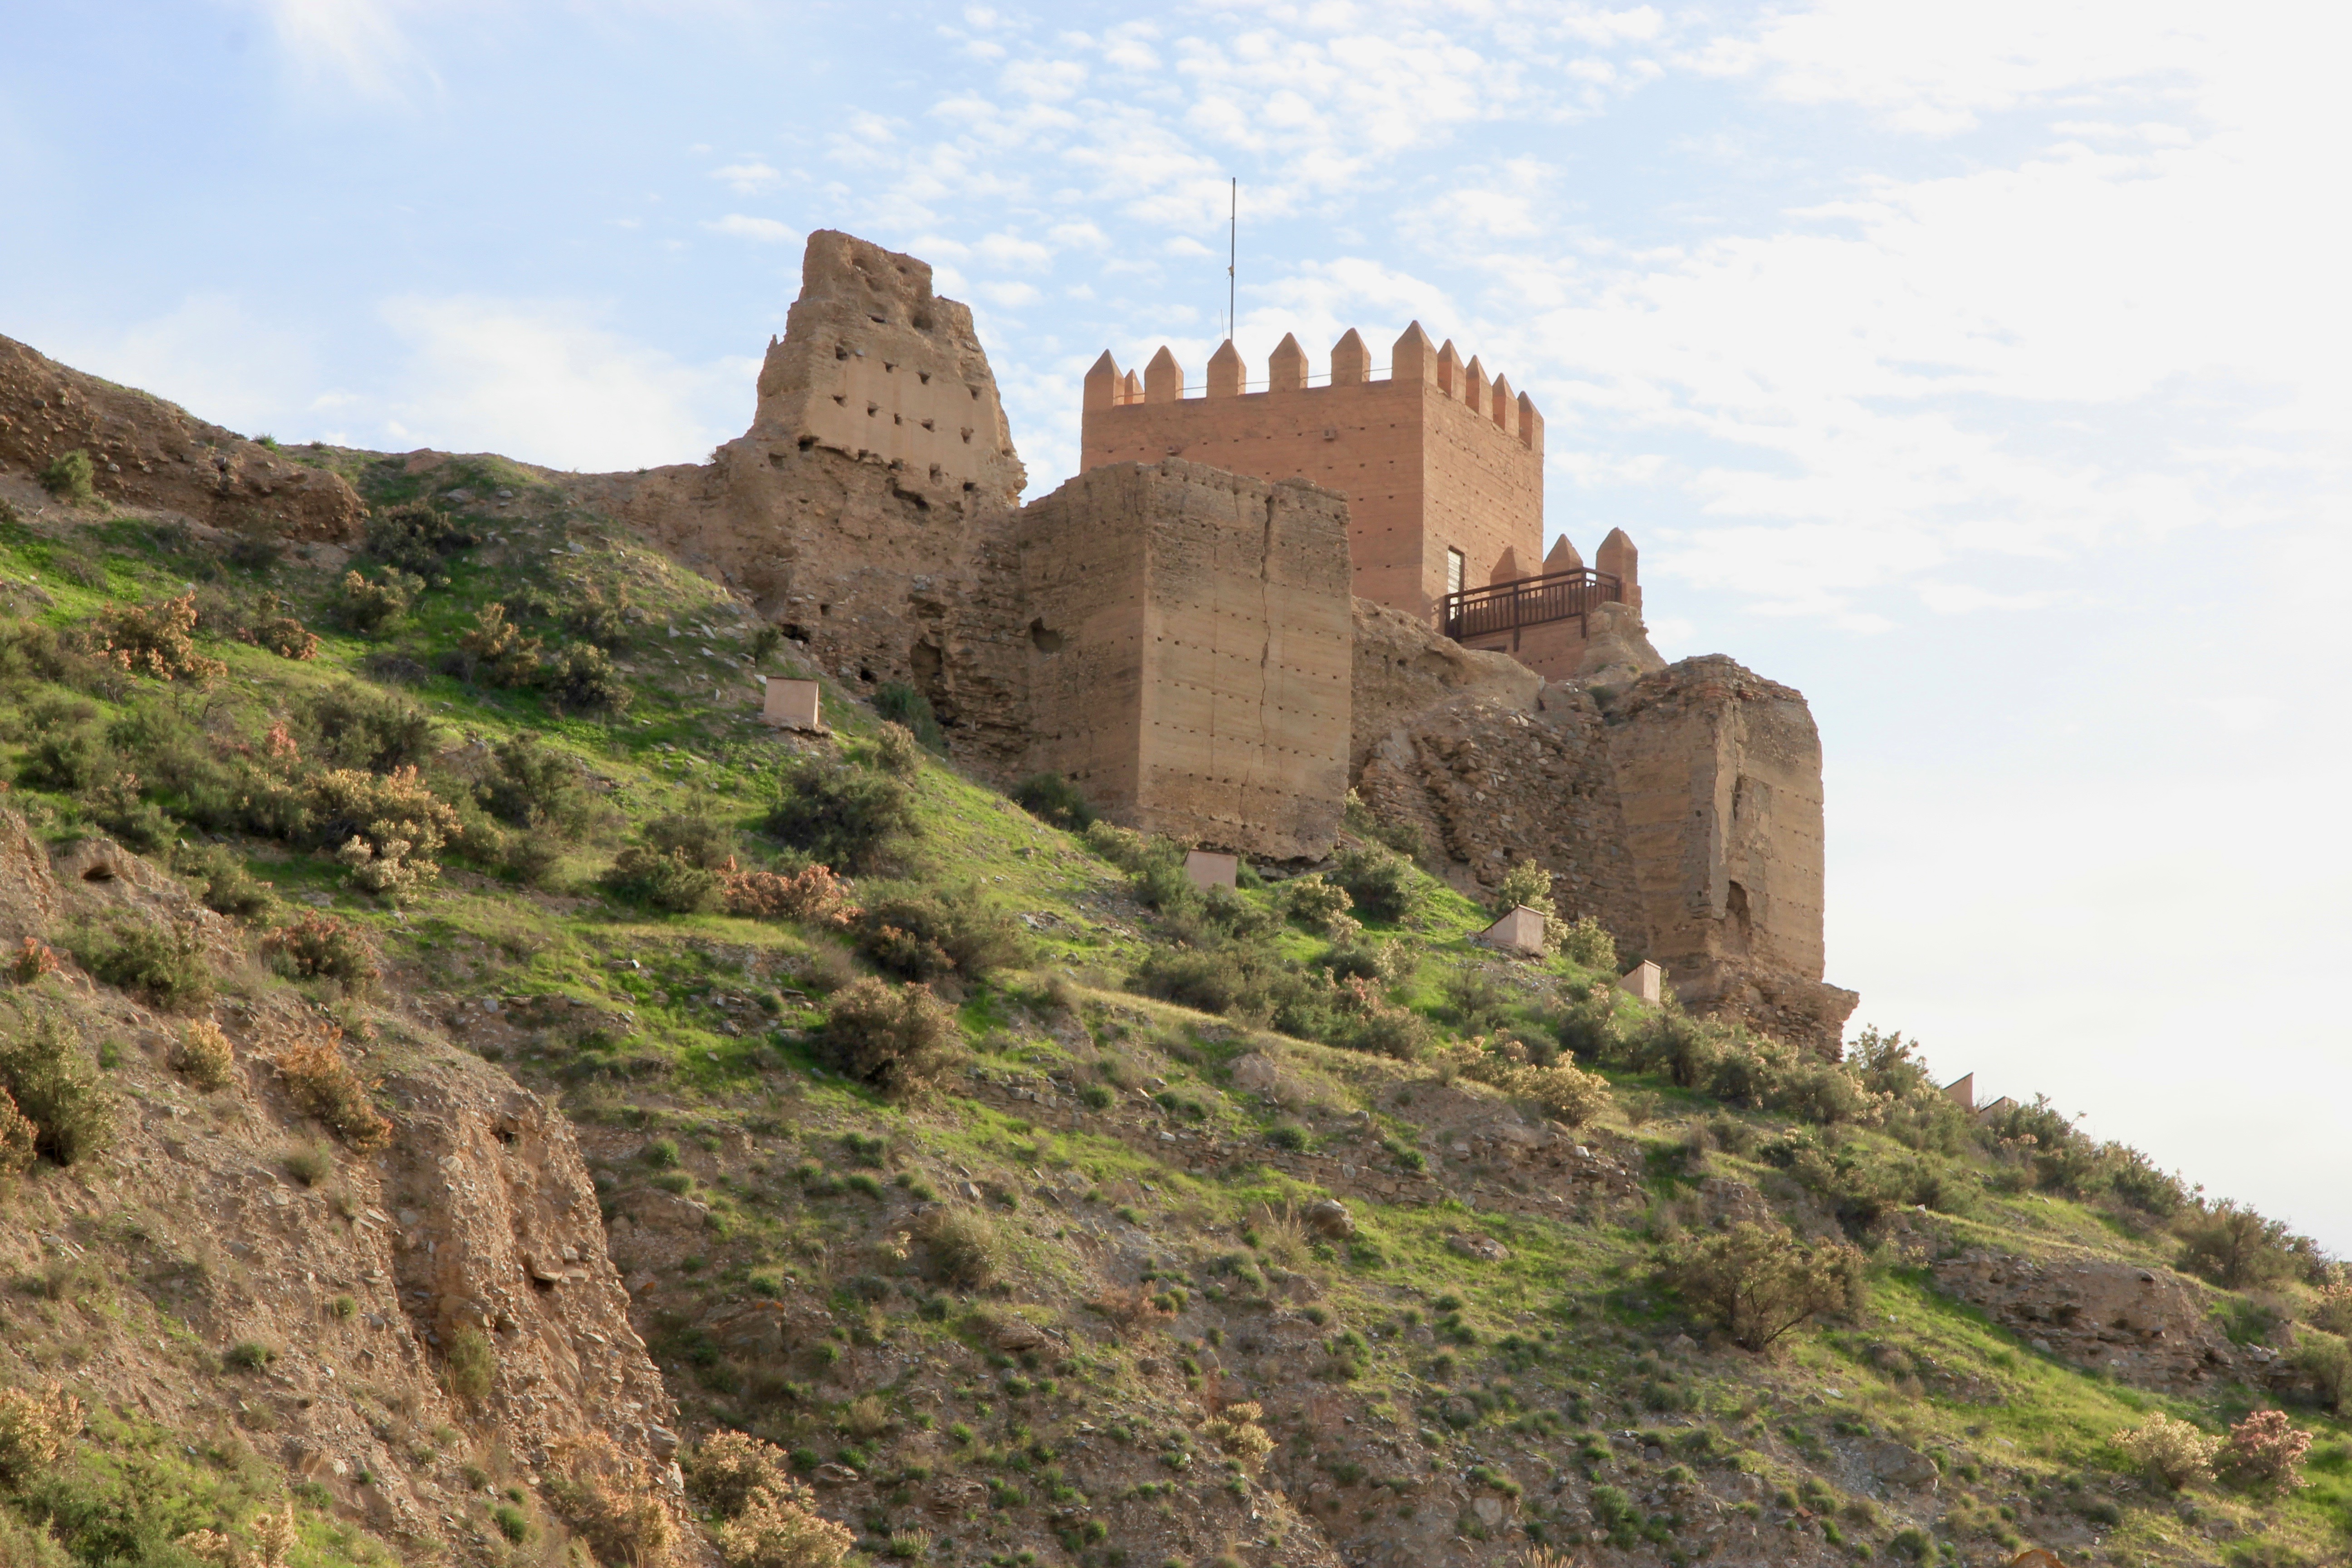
{"x": 1233, "y": 252}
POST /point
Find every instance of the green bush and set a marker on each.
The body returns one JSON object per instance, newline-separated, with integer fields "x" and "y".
{"x": 368, "y": 606}
{"x": 902, "y": 704}
{"x": 165, "y": 964}
{"x": 69, "y": 476}
{"x": 56, "y": 1086}
{"x": 1588, "y": 943}
{"x": 418, "y": 538}
{"x": 529, "y": 784}
{"x": 583, "y": 677}
{"x": 470, "y": 1364}
{"x": 319, "y": 946}
{"x": 1757, "y": 1282}
{"x": 2236, "y": 1248}
{"x": 921, "y": 936}
{"x": 898, "y": 1038}
{"x": 248, "y": 1356}
{"x": 1055, "y": 799}
{"x": 844, "y": 817}
{"x": 1381, "y": 882}
{"x": 960, "y": 1247}
{"x": 347, "y": 725}
{"x": 667, "y": 880}
{"x": 226, "y": 887}
{"x": 896, "y": 751}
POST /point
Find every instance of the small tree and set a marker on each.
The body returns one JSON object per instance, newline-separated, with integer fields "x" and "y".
{"x": 2235, "y": 1247}
{"x": 2168, "y": 1452}
{"x": 1757, "y": 1282}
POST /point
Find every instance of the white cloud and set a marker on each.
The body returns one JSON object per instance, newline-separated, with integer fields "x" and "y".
{"x": 749, "y": 177}
{"x": 546, "y": 382}
{"x": 765, "y": 230}
{"x": 353, "y": 46}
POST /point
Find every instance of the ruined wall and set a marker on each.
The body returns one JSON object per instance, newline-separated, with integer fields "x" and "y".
{"x": 148, "y": 452}
{"x": 1189, "y": 652}
{"x": 1421, "y": 467}
{"x": 1718, "y": 775}
{"x": 869, "y": 510}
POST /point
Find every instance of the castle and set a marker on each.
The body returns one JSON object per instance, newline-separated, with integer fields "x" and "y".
{"x": 1441, "y": 466}
{"x": 1249, "y": 603}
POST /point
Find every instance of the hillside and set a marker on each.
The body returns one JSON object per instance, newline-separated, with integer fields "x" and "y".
{"x": 417, "y": 1162}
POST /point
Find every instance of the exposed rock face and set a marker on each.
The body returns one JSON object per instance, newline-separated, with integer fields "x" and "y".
{"x": 2144, "y": 1326}
{"x": 1490, "y": 785}
{"x": 479, "y": 1212}
{"x": 148, "y": 452}
{"x": 1406, "y": 669}
{"x": 1718, "y": 776}
{"x": 868, "y": 510}
{"x": 1189, "y": 643}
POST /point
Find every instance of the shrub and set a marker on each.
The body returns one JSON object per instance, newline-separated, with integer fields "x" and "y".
{"x": 2333, "y": 1310}
{"x": 1122, "y": 847}
{"x": 1565, "y": 1093}
{"x": 418, "y": 538}
{"x": 1314, "y": 902}
{"x": 897, "y": 701}
{"x": 309, "y": 1165}
{"x": 843, "y": 816}
{"x": 583, "y": 677}
{"x": 2168, "y": 1452}
{"x": 728, "y": 1467}
{"x": 898, "y": 1038}
{"x": 924, "y": 935}
{"x": 69, "y": 476}
{"x": 470, "y": 1366}
{"x": 779, "y": 1526}
{"x": 960, "y": 1247}
{"x": 55, "y": 1087}
{"x": 812, "y": 894}
{"x": 896, "y": 751}
{"x": 37, "y": 1431}
{"x": 227, "y": 888}
{"x": 202, "y": 1055}
{"x": 163, "y": 963}
{"x": 280, "y": 633}
{"x": 316, "y": 946}
{"x": 596, "y": 619}
{"x": 1525, "y": 886}
{"x": 153, "y": 640}
{"x": 248, "y": 1356}
{"x": 32, "y": 959}
{"x": 19, "y": 1138}
{"x": 2327, "y": 1362}
{"x": 2266, "y": 1450}
{"x": 530, "y": 784}
{"x": 390, "y": 827}
{"x": 1381, "y": 881}
{"x": 512, "y": 1522}
{"x": 1589, "y": 944}
{"x": 2235, "y": 1247}
{"x": 496, "y": 651}
{"x": 1235, "y": 1430}
{"x": 368, "y": 606}
{"x": 350, "y": 726}
{"x": 1757, "y": 1282}
{"x": 699, "y": 833}
{"x": 611, "y": 1502}
{"x": 326, "y": 1086}
{"x": 1053, "y": 799}
{"x": 667, "y": 880}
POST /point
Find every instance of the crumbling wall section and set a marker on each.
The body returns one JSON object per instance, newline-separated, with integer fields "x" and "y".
{"x": 1718, "y": 776}
{"x": 1190, "y": 652}
{"x": 869, "y": 512}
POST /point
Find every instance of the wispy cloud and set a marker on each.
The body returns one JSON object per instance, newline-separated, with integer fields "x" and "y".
{"x": 765, "y": 230}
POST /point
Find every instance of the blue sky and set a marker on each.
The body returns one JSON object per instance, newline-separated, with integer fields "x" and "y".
{"x": 1980, "y": 371}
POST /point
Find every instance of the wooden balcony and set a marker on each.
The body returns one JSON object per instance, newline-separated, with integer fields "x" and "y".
{"x": 1527, "y": 602}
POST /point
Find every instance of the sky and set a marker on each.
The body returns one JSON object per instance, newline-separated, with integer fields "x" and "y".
{"x": 1979, "y": 371}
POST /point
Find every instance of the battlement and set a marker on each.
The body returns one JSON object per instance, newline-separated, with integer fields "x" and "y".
{"x": 1442, "y": 463}
{"x": 1410, "y": 360}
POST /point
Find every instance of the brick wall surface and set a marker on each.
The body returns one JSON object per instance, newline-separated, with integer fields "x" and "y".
{"x": 1190, "y": 655}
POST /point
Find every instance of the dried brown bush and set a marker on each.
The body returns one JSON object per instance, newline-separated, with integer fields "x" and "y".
{"x": 780, "y": 1528}
{"x": 325, "y": 1085}
{"x": 203, "y": 1056}
{"x": 899, "y": 1038}
{"x": 814, "y": 894}
{"x": 611, "y": 1501}
{"x": 2168, "y": 1452}
{"x": 153, "y": 640}
{"x": 37, "y": 1429}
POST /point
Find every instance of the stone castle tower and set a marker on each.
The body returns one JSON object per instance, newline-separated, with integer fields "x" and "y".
{"x": 1441, "y": 463}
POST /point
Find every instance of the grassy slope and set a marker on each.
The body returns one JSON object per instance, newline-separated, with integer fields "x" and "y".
{"x": 693, "y": 1032}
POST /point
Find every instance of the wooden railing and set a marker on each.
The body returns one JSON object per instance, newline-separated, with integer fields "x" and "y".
{"x": 1527, "y": 602}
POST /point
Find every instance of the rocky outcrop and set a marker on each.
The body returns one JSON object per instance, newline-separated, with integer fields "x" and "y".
{"x": 147, "y": 452}
{"x": 2144, "y": 1326}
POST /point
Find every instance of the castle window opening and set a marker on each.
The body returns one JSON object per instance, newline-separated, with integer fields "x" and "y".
{"x": 1455, "y": 571}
